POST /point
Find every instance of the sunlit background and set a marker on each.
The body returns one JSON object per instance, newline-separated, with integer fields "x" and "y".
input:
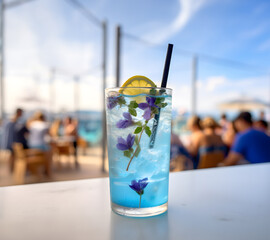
{"x": 230, "y": 38}
{"x": 53, "y": 55}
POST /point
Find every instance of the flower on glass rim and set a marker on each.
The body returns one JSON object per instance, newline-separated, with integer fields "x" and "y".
{"x": 139, "y": 186}
{"x": 147, "y": 107}
{"x": 124, "y": 123}
{"x": 112, "y": 102}
{"x": 127, "y": 144}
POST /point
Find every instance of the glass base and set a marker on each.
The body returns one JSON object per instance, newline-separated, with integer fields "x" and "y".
{"x": 139, "y": 212}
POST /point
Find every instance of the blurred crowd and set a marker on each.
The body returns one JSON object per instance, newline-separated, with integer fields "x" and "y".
{"x": 210, "y": 144}
{"x": 36, "y": 133}
{"x": 223, "y": 143}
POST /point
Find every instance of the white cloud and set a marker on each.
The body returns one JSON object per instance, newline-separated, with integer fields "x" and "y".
{"x": 217, "y": 89}
{"x": 214, "y": 83}
{"x": 187, "y": 10}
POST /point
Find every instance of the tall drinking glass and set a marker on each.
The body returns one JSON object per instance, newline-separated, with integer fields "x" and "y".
{"x": 138, "y": 134}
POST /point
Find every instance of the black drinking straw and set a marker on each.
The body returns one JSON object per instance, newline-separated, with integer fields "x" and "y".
{"x": 163, "y": 85}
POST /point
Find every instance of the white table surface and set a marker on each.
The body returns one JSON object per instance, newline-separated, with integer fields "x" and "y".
{"x": 224, "y": 203}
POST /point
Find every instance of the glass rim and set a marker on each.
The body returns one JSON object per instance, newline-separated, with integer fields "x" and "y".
{"x": 158, "y": 88}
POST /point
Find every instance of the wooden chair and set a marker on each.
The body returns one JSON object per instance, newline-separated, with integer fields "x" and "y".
{"x": 28, "y": 159}
{"x": 211, "y": 159}
{"x": 82, "y": 144}
{"x": 62, "y": 149}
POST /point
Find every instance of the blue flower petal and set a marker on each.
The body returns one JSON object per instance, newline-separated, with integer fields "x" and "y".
{"x": 151, "y": 101}
{"x": 143, "y": 183}
{"x": 130, "y": 140}
{"x": 134, "y": 185}
{"x": 112, "y": 102}
{"x": 123, "y": 124}
{"x": 139, "y": 186}
{"x": 133, "y": 188}
{"x": 125, "y": 144}
{"x": 143, "y": 106}
{"x": 143, "y": 180}
{"x": 127, "y": 116}
{"x": 121, "y": 140}
{"x": 147, "y": 114}
{"x": 133, "y": 182}
{"x": 122, "y": 147}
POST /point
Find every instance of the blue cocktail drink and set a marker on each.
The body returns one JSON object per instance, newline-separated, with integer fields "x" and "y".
{"x": 138, "y": 134}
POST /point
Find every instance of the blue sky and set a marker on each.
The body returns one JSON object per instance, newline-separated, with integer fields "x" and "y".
{"x": 51, "y": 33}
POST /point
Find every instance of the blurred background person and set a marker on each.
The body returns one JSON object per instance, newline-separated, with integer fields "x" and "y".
{"x": 210, "y": 142}
{"x": 1, "y": 125}
{"x": 9, "y": 130}
{"x": 175, "y": 140}
{"x": 55, "y": 129}
{"x": 262, "y": 115}
{"x": 223, "y": 123}
{"x": 261, "y": 125}
{"x": 250, "y": 144}
{"x": 21, "y": 134}
{"x": 229, "y": 136}
{"x": 194, "y": 125}
{"x": 180, "y": 159}
{"x": 38, "y": 130}
{"x": 9, "y": 135}
{"x": 71, "y": 131}
{"x": 209, "y": 137}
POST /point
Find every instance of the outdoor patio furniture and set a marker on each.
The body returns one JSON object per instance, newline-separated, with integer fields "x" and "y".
{"x": 210, "y": 159}
{"x": 34, "y": 160}
{"x": 63, "y": 146}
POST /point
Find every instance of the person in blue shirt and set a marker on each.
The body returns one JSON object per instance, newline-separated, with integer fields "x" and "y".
{"x": 250, "y": 144}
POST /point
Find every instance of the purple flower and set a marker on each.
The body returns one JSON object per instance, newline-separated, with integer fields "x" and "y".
{"x": 126, "y": 122}
{"x": 147, "y": 107}
{"x": 147, "y": 114}
{"x": 151, "y": 101}
{"x": 139, "y": 186}
{"x": 112, "y": 102}
{"x": 123, "y": 144}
